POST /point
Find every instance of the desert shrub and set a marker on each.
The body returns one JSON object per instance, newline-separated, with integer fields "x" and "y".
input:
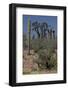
{"x": 46, "y": 59}
{"x": 33, "y": 44}
{"x": 53, "y": 61}
{"x": 45, "y": 48}
{"x": 51, "y": 44}
{"x": 43, "y": 55}
{"x": 37, "y": 44}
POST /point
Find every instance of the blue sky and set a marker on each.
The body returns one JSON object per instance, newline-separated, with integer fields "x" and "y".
{"x": 51, "y": 20}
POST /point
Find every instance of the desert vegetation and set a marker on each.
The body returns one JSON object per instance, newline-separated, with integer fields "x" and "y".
{"x": 40, "y": 49}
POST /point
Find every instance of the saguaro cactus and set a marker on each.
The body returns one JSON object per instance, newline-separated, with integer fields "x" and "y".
{"x": 29, "y": 33}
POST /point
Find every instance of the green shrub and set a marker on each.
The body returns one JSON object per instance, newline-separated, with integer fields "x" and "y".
{"x": 53, "y": 61}
{"x": 47, "y": 59}
{"x": 46, "y": 52}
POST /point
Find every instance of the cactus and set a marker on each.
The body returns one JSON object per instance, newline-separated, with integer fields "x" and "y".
{"x": 29, "y": 31}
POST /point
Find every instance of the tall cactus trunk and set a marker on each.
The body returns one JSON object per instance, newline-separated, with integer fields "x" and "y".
{"x": 29, "y": 33}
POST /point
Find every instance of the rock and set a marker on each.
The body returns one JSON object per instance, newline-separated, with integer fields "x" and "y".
{"x": 35, "y": 66}
{"x": 35, "y": 56}
{"x": 32, "y": 52}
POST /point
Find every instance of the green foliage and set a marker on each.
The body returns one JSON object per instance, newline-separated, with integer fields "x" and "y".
{"x": 38, "y": 44}
{"x": 46, "y": 52}
{"x": 47, "y": 59}
{"x": 53, "y": 61}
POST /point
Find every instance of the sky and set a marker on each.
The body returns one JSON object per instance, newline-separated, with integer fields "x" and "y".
{"x": 51, "y": 20}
